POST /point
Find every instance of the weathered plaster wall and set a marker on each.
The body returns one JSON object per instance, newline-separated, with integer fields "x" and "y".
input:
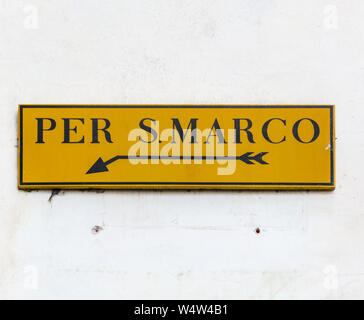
{"x": 169, "y": 244}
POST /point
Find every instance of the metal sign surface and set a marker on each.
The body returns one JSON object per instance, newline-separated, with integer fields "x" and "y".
{"x": 176, "y": 146}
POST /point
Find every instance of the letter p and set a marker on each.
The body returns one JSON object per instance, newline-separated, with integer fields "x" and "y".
{"x": 40, "y": 127}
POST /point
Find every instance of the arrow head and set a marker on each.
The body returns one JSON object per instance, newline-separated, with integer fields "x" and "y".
{"x": 98, "y": 166}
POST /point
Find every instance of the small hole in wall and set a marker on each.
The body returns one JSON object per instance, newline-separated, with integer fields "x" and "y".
{"x": 96, "y": 229}
{"x": 257, "y": 230}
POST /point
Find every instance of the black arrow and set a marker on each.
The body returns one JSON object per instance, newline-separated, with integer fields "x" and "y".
{"x": 101, "y": 165}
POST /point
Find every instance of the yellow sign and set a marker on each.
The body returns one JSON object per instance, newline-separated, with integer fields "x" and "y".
{"x": 176, "y": 146}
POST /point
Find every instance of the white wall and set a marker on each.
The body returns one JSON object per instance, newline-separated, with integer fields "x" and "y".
{"x": 177, "y": 244}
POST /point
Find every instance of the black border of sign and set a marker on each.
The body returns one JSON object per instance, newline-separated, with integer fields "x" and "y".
{"x": 331, "y": 107}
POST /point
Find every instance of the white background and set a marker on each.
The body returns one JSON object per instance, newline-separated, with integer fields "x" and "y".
{"x": 178, "y": 244}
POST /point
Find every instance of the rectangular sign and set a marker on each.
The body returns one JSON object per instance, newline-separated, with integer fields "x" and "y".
{"x": 176, "y": 146}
